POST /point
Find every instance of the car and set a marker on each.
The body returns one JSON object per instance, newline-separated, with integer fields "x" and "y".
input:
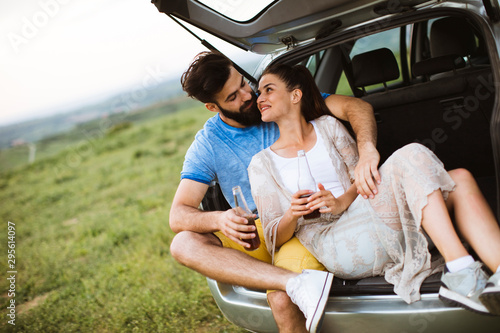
{"x": 431, "y": 71}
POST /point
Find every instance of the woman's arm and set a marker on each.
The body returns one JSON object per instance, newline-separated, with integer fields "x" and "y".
{"x": 288, "y": 223}
{"x": 286, "y": 228}
{"x": 271, "y": 202}
{"x": 323, "y": 200}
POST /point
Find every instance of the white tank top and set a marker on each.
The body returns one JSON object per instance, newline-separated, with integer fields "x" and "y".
{"x": 321, "y": 168}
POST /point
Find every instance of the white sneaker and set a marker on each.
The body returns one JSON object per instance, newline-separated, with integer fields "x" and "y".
{"x": 463, "y": 288}
{"x": 490, "y": 296}
{"x": 310, "y": 291}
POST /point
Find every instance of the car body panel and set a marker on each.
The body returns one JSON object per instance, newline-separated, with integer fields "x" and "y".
{"x": 356, "y": 314}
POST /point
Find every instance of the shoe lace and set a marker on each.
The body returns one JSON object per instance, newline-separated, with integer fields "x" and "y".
{"x": 478, "y": 283}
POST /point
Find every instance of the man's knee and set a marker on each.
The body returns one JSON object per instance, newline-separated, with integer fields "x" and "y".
{"x": 185, "y": 243}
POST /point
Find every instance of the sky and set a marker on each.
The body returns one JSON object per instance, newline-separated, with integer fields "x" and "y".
{"x": 57, "y": 55}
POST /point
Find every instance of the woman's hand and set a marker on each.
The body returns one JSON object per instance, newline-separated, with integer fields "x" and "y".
{"x": 299, "y": 201}
{"x": 326, "y": 202}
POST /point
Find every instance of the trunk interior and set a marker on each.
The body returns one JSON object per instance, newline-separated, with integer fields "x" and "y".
{"x": 437, "y": 88}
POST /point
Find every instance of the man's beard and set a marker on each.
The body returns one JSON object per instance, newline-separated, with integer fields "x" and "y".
{"x": 245, "y": 117}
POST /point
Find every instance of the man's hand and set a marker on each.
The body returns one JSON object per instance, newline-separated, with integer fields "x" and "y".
{"x": 361, "y": 117}
{"x": 236, "y": 227}
{"x": 366, "y": 173}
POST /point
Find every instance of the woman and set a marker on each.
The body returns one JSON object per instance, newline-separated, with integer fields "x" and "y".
{"x": 384, "y": 235}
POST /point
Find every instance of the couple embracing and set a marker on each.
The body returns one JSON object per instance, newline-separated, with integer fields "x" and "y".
{"x": 372, "y": 222}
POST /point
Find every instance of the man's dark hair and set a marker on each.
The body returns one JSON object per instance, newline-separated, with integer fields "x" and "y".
{"x": 206, "y": 76}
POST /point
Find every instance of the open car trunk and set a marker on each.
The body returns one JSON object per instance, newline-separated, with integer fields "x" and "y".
{"x": 430, "y": 69}
{"x": 448, "y": 102}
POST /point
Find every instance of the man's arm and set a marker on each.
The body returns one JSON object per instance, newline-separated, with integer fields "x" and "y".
{"x": 185, "y": 215}
{"x": 360, "y": 115}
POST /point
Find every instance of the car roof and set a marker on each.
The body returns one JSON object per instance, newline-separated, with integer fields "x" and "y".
{"x": 268, "y": 26}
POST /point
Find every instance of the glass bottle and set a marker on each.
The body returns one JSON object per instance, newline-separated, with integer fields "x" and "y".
{"x": 243, "y": 211}
{"x": 306, "y": 181}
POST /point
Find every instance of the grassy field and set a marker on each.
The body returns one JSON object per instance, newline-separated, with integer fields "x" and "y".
{"x": 86, "y": 131}
{"x": 92, "y": 236}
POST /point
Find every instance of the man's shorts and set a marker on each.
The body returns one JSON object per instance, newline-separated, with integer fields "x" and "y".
{"x": 292, "y": 255}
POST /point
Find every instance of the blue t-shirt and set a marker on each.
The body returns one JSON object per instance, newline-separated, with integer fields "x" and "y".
{"x": 222, "y": 152}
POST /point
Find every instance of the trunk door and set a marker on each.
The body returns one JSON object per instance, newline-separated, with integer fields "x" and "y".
{"x": 267, "y": 26}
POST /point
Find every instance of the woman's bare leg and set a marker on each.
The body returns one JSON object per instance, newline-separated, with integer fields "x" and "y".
{"x": 474, "y": 219}
{"x": 437, "y": 223}
{"x": 476, "y": 223}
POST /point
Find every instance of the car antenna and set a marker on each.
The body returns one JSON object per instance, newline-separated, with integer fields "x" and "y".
{"x": 213, "y": 48}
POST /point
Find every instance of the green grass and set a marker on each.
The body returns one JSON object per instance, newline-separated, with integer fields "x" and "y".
{"x": 92, "y": 235}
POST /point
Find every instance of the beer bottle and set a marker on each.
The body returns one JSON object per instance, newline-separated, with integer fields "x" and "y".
{"x": 243, "y": 211}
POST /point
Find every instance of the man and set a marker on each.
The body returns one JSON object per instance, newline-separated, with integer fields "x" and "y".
{"x": 211, "y": 242}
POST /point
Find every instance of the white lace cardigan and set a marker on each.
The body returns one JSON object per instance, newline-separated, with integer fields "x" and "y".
{"x": 271, "y": 196}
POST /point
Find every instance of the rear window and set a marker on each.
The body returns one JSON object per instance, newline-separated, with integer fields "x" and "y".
{"x": 388, "y": 39}
{"x": 238, "y": 10}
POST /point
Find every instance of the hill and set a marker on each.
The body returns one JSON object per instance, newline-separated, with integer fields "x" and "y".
{"x": 84, "y": 134}
{"x": 37, "y": 129}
